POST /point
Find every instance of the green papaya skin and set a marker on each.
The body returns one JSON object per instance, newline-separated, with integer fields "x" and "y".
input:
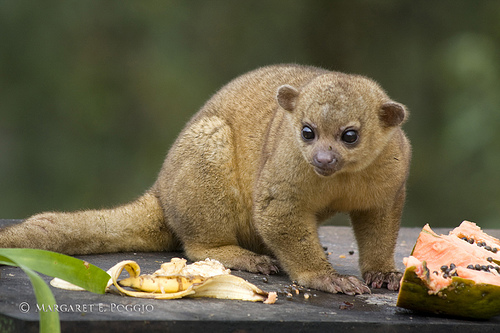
{"x": 463, "y": 297}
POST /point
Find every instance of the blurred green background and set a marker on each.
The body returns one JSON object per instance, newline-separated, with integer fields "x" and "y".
{"x": 93, "y": 93}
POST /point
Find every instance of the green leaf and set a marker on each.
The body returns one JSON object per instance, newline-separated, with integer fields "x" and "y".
{"x": 49, "y": 320}
{"x": 75, "y": 271}
{"x": 49, "y": 317}
{"x": 53, "y": 264}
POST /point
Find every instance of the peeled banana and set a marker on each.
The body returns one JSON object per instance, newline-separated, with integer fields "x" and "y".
{"x": 175, "y": 279}
{"x": 150, "y": 286}
{"x": 160, "y": 284}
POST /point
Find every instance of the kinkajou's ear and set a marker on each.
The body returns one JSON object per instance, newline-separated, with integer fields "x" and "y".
{"x": 287, "y": 97}
{"x": 392, "y": 114}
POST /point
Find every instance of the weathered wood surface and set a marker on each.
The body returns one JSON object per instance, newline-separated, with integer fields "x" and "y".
{"x": 85, "y": 312}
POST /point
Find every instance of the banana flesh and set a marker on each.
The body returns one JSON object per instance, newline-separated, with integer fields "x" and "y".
{"x": 168, "y": 279}
{"x": 151, "y": 286}
{"x": 160, "y": 284}
{"x": 175, "y": 279}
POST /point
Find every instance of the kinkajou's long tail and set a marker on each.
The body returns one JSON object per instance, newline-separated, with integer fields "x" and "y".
{"x": 136, "y": 226}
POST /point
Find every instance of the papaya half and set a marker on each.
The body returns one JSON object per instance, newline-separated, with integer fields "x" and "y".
{"x": 456, "y": 274}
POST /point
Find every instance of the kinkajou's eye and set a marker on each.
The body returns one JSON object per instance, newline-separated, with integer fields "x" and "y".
{"x": 307, "y": 133}
{"x": 350, "y": 136}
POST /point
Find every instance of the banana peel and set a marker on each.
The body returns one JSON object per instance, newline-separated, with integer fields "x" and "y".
{"x": 175, "y": 279}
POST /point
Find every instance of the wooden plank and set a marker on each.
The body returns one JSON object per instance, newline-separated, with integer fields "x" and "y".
{"x": 84, "y": 311}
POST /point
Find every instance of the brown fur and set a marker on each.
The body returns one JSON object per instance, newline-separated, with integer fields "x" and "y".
{"x": 242, "y": 186}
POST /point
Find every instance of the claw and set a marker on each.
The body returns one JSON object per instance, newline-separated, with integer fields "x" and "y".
{"x": 335, "y": 283}
{"x": 378, "y": 279}
{"x": 267, "y": 269}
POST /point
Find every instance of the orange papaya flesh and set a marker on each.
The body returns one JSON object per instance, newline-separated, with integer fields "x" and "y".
{"x": 471, "y": 233}
{"x": 448, "y": 275}
{"x": 438, "y": 250}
